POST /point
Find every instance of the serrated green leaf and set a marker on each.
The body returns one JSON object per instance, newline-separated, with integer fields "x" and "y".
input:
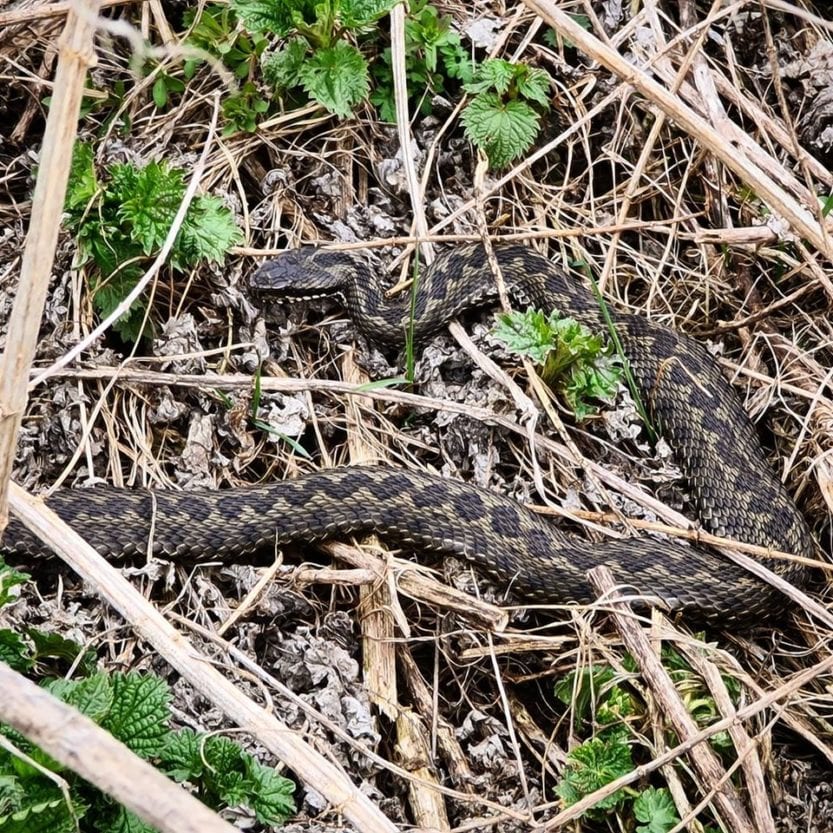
{"x": 223, "y": 770}
{"x": 226, "y": 775}
{"x": 270, "y": 16}
{"x": 208, "y": 232}
{"x": 222, "y": 756}
{"x": 581, "y": 688}
{"x": 458, "y": 62}
{"x": 123, "y": 182}
{"x": 282, "y": 69}
{"x": 148, "y": 210}
{"x": 232, "y": 789}
{"x": 495, "y": 74}
{"x": 433, "y": 54}
{"x": 615, "y": 706}
{"x": 656, "y": 809}
{"x": 383, "y": 99}
{"x": 9, "y": 579}
{"x": 45, "y": 810}
{"x": 14, "y": 651}
{"x": 12, "y": 794}
{"x": 357, "y": 14}
{"x": 92, "y": 696}
{"x": 590, "y": 766}
{"x": 527, "y": 334}
{"x": 11, "y": 764}
{"x": 217, "y": 33}
{"x": 504, "y": 130}
{"x": 336, "y": 77}
{"x": 139, "y": 713}
{"x": 49, "y": 645}
{"x": 597, "y": 382}
{"x": 181, "y": 757}
{"x": 83, "y": 184}
{"x": 109, "y": 293}
{"x": 573, "y": 360}
{"x": 534, "y": 84}
{"x": 271, "y": 794}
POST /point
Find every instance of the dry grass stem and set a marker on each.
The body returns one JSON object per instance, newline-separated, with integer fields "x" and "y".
{"x": 683, "y": 160}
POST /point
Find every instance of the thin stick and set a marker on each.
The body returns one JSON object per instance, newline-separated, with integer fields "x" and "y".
{"x": 75, "y": 57}
{"x": 802, "y": 221}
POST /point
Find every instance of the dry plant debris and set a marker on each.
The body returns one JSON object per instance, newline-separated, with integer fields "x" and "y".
{"x": 680, "y": 155}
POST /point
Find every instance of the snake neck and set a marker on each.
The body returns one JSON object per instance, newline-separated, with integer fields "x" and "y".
{"x": 459, "y": 280}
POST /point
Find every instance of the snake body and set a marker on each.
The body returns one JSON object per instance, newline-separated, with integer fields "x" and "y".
{"x": 735, "y": 493}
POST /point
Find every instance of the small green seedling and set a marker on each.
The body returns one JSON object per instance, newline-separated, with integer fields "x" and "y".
{"x": 572, "y": 360}
{"x": 503, "y": 118}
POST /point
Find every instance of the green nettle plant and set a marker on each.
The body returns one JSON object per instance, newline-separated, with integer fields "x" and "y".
{"x": 434, "y": 55}
{"x": 217, "y": 32}
{"x": 502, "y": 119}
{"x": 572, "y": 360}
{"x": 318, "y": 56}
{"x": 121, "y": 221}
{"x": 134, "y": 708}
{"x": 602, "y": 704}
{"x": 323, "y": 56}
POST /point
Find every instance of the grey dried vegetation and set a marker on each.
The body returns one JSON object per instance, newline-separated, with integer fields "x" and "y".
{"x": 670, "y": 232}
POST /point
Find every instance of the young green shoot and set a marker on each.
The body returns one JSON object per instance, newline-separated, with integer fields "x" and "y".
{"x": 134, "y": 708}
{"x": 503, "y": 118}
{"x": 572, "y": 360}
{"x": 121, "y": 220}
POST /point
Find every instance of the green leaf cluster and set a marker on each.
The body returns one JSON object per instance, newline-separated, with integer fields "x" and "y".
{"x": 603, "y": 706}
{"x": 597, "y": 697}
{"x": 697, "y": 698}
{"x": 13, "y": 649}
{"x": 164, "y": 86}
{"x": 434, "y": 55}
{"x": 502, "y": 119}
{"x": 134, "y": 708}
{"x": 217, "y": 32}
{"x": 594, "y": 694}
{"x": 317, "y": 57}
{"x": 242, "y": 108}
{"x": 656, "y": 810}
{"x": 121, "y": 221}
{"x": 9, "y": 579}
{"x": 574, "y": 361}
{"x": 31, "y": 648}
{"x": 592, "y": 765}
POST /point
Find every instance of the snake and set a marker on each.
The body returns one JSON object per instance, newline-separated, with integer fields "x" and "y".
{"x": 733, "y": 490}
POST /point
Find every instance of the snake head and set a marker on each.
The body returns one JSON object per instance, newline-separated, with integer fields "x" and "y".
{"x": 300, "y": 274}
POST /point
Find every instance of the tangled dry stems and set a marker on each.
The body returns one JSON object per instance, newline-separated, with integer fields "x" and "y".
{"x": 671, "y": 234}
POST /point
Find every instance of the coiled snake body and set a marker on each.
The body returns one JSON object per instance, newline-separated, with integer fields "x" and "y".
{"x": 735, "y": 493}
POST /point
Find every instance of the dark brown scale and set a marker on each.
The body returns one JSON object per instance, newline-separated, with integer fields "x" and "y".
{"x": 715, "y": 445}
